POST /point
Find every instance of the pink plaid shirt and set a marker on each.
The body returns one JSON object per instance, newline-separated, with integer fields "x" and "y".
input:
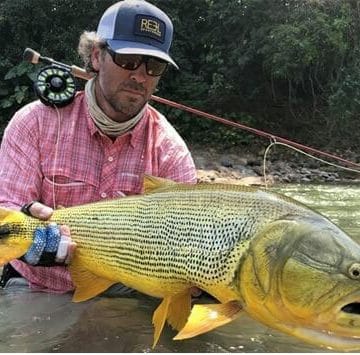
{"x": 47, "y": 157}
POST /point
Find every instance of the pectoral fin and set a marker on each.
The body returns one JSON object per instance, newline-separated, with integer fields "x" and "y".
{"x": 174, "y": 309}
{"x": 87, "y": 284}
{"x": 206, "y": 317}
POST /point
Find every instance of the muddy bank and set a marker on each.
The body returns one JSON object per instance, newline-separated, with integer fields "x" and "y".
{"x": 241, "y": 166}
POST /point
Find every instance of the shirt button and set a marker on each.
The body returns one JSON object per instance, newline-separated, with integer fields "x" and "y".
{"x": 110, "y": 159}
{"x": 103, "y": 194}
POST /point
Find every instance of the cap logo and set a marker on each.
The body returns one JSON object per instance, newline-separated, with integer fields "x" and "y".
{"x": 149, "y": 26}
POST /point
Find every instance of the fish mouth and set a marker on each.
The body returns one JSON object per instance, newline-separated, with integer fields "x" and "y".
{"x": 351, "y": 308}
{"x": 342, "y": 330}
{"x": 347, "y": 311}
{"x": 335, "y": 329}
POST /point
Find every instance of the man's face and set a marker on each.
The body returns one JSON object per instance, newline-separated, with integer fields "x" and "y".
{"x": 121, "y": 93}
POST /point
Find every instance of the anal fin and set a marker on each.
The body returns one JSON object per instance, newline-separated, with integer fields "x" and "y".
{"x": 206, "y": 317}
{"x": 159, "y": 318}
{"x": 173, "y": 309}
{"x": 179, "y": 310}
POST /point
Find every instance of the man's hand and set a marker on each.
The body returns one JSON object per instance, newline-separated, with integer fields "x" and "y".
{"x": 38, "y": 210}
{"x": 52, "y": 244}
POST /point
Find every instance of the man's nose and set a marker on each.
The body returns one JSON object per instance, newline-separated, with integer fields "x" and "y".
{"x": 139, "y": 74}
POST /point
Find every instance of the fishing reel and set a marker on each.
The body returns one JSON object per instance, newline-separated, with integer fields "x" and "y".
{"x": 55, "y": 86}
{"x": 55, "y": 83}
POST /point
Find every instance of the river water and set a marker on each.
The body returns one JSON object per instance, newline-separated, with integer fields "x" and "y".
{"x": 38, "y": 322}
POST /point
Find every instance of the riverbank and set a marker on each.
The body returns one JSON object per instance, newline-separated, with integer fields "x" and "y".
{"x": 246, "y": 166}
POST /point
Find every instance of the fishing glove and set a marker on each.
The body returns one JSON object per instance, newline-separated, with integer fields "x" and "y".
{"x": 44, "y": 246}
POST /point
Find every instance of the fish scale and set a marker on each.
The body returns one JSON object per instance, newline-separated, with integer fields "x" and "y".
{"x": 190, "y": 234}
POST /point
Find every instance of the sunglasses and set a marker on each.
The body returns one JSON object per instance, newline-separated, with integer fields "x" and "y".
{"x": 154, "y": 66}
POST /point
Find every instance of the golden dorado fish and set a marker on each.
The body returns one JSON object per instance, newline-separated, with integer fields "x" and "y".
{"x": 253, "y": 251}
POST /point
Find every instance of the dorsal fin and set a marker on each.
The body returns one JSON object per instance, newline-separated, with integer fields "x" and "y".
{"x": 152, "y": 183}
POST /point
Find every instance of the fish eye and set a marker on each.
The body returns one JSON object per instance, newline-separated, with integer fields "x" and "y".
{"x": 354, "y": 271}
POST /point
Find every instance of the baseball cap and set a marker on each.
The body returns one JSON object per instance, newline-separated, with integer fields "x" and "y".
{"x": 137, "y": 27}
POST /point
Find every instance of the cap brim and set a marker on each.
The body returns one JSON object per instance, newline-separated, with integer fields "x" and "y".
{"x": 128, "y": 47}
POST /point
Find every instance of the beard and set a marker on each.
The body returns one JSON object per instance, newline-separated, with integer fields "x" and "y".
{"x": 129, "y": 107}
{"x": 126, "y": 103}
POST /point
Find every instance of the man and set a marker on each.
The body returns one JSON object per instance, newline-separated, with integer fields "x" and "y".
{"x": 100, "y": 145}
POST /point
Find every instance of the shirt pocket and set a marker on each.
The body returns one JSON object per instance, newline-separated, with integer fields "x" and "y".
{"x": 129, "y": 184}
{"x": 64, "y": 189}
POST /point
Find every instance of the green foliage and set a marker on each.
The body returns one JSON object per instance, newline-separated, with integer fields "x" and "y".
{"x": 51, "y": 27}
{"x": 289, "y": 67}
{"x": 19, "y": 94}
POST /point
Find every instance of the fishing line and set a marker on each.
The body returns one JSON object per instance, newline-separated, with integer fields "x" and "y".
{"x": 58, "y": 115}
{"x": 264, "y": 160}
{"x": 275, "y": 142}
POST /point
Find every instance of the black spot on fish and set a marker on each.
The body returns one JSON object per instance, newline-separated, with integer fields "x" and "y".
{"x": 4, "y": 230}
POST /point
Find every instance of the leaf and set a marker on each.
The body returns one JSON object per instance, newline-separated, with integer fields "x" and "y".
{"x": 5, "y": 103}
{"x": 19, "y": 97}
{"x": 10, "y": 74}
{"x": 18, "y": 70}
{"x": 23, "y": 68}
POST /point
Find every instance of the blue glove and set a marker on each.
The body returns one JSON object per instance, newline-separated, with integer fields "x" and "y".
{"x": 44, "y": 247}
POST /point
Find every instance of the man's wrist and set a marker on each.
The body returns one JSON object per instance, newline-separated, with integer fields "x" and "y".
{"x": 26, "y": 208}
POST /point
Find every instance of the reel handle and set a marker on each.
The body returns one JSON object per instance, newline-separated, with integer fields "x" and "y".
{"x": 34, "y": 57}
{"x": 80, "y": 72}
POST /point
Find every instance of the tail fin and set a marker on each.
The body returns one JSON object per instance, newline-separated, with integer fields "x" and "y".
{"x": 13, "y": 242}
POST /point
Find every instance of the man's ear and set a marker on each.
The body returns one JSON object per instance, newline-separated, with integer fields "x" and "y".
{"x": 95, "y": 58}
